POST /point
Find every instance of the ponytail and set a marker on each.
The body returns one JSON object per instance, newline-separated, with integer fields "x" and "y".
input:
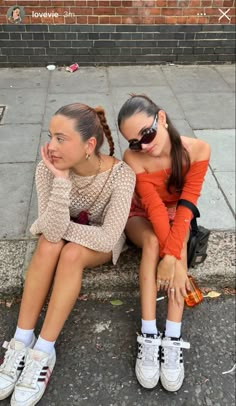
{"x": 106, "y": 129}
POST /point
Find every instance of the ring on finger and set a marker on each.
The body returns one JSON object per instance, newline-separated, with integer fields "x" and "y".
{"x": 172, "y": 289}
{"x": 159, "y": 281}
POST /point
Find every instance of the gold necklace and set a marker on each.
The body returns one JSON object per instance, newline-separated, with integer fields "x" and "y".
{"x": 94, "y": 177}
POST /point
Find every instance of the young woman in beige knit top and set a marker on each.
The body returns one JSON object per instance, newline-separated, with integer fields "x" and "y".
{"x": 84, "y": 199}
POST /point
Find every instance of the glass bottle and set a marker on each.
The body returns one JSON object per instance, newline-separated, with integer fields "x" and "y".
{"x": 194, "y": 295}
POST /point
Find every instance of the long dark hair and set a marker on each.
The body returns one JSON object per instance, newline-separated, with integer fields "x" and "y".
{"x": 179, "y": 155}
{"x": 89, "y": 123}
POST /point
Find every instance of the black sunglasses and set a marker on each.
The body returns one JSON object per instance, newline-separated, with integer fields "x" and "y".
{"x": 148, "y": 135}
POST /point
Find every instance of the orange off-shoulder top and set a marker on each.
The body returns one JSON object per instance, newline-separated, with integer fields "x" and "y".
{"x": 155, "y": 199}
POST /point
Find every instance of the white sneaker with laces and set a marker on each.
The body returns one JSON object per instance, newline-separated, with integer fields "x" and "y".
{"x": 34, "y": 378}
{"x": 147, "y": 362}
{"x": 172, "y": 365}
{"x": 12, "y": 365}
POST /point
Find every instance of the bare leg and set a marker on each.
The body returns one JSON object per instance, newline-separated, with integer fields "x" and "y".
{"x": 175, "y": 310}
{"x": 140, "y": 232}
{"x": 38, "y": 281}
{"x": 67, "y": 283}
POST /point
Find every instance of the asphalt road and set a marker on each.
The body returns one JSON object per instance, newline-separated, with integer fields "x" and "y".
{"x": 96, "y": 355}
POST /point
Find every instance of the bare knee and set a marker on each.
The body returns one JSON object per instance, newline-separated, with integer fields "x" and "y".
{"x": 73, "y": 255}
{"x": 47, "y": 248}
{"x": 150, "y": 244}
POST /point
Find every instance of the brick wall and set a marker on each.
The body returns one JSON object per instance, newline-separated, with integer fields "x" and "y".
{"x": 123, "y": 11}
{"x": 118, "y": 32}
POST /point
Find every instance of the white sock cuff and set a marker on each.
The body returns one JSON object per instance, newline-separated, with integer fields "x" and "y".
{"x": 173, "y": 329}
{"x": 149, "y": 327}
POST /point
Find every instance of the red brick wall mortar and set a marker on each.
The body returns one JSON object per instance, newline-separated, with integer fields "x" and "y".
{"x": 123, "y": 12}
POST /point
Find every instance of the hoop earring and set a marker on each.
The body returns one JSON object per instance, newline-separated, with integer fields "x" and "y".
{"x": 87, "y": 157}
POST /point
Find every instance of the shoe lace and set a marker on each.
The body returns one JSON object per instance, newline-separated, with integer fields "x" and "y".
{"x": 149, "y": 354}
{"x": 30, "y": 374}
{"x": 11, "y": 362}
{"x": 171, "y": 357}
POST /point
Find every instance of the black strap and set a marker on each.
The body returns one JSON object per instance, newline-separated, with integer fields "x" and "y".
{"x": 190, "y": 206}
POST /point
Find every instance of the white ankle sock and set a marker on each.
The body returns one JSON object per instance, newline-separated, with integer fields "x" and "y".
{"x": 149, "y": 327}
{"x": 44, "y": 345}
{"x": 173, "y": 329}
{"x": 24, "y": 336}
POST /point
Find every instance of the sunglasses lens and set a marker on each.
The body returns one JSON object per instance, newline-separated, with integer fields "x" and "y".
{"x": 148, "y": 135}
{"x": 135, "y": 145}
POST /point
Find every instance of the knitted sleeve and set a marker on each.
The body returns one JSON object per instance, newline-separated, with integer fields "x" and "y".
{"x": 154, "y": 207}
{"x": 191, "y": 191}
{"x": 53, "y": 205}
{"x": 103, "y": 238}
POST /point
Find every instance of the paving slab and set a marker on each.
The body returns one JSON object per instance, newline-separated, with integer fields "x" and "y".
{"x": 222, "y": 160}
{"x": 15, "y": 194}
{"x": 222, "y": 144}
{"x": 19, "y": 143}
{"x": 128, "y": 76}
{"x": 228, "y": 73}
{"x": 30, "y": 78}
{"x": 195, "y": 79}
{"x": 97, "y": 347}
{"x": 23, "y": 106}
{"x": 215, "y": 212}
{"x": 84, "y": 80}
{"x": 208, "y": 110}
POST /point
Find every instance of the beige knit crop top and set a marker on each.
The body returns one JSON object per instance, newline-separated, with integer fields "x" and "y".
{"x": 60, "y": 199}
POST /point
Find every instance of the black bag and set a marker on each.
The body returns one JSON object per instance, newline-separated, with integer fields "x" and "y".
{"x": 198, "y": 238}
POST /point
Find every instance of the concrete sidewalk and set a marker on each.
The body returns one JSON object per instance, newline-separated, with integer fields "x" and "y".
{"x": 199, "y": 99}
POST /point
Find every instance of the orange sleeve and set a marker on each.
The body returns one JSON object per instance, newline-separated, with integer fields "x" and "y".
{"x": 191, "y": 192}
{"x": 154, "y": 207}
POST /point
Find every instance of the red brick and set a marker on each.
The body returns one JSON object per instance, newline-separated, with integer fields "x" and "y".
{"x": 70, "y": 20}
{"x": 93, "y": 20}
{"x": 172, "y": 11}
{"x": 127, "y": 11}
{"x": 104, "y": 20}
{"x": 171, "y": 20}
{"x": 192, "y": 11}
{"x": 229, "y": 3}
{"x": 82, "y": 19}
{"x": 127, "y": 3}
{"x": 148, "y": 20}
{"x": 115, "y": 20}
{"x": 160, "y": 20}
{"x": 162, "y": 3}
{"x": 181, "y": 20}
{"x": 154, "y": 11}
{"x": 115, "y": 3}
{"x": 202, "y": 20}
{"x": 196, "y": 3}
{"x": 105, "y": 11}
{"x": 192, "y": 20}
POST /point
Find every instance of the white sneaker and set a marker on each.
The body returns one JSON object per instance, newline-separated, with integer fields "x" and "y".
{"x": 172, "y": 365}
{"x": 34, "y": 378}
{"x": 12, "y": 365}
{"x": 147, "y": 362}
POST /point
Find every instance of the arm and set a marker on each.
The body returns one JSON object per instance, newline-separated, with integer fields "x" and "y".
{"x": 53, "y": 204}
{"x": 149, "y": 197}
{"x": 155, "y": 208}
{"x": 191, "y": 191}
{"x": 103, "y": 238}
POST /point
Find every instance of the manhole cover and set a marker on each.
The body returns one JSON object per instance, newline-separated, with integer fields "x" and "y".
{"x": 2, "y": 111}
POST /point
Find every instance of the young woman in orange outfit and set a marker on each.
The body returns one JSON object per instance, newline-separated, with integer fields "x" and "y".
{"x": 169, "y": 168}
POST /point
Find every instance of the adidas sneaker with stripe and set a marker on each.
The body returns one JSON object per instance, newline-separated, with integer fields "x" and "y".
{"x": 34, "y": 378}
{"x": 12, "y": 365}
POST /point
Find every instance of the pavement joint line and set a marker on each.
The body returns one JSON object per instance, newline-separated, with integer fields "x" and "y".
{"x": 223, "y": 193}
{"x": 178, "y": 101}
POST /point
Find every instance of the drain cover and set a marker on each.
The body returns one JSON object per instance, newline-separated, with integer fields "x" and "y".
{"x": 2, "y": 111}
